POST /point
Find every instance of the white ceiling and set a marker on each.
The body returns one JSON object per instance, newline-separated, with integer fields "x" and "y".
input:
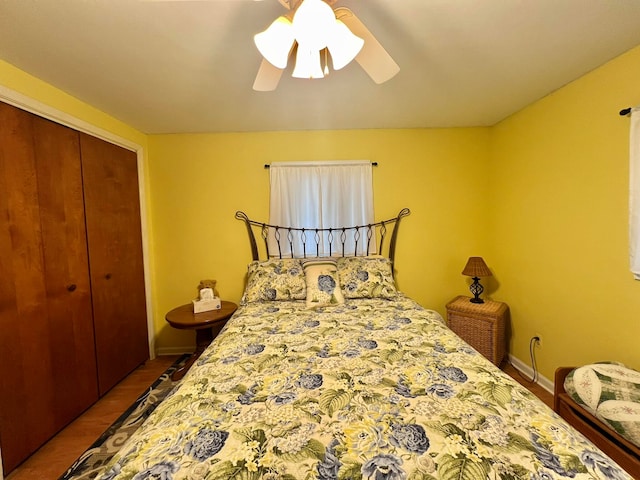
{"x": 176, "y": 66}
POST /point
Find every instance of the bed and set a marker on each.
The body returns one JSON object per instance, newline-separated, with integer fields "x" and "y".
{"x": 327, "y": 371}
{"x": 619, "y": 447}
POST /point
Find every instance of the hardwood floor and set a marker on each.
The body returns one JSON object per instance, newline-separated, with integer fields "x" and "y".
{"x": 53, "y": 459}
{"x": 537, "y": 390}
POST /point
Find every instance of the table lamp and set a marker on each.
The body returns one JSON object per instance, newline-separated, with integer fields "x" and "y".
{"x": 476, "y": 268}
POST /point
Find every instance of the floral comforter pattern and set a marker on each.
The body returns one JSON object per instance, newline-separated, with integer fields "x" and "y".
{"x": 371, "y": 389}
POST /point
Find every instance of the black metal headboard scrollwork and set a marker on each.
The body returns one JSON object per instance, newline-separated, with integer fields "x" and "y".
{"x": 335, "y": 240}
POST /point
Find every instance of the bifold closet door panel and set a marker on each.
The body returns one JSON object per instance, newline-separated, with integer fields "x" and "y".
{"x": 112, "y": 208}
{"x": 47, "y": 347}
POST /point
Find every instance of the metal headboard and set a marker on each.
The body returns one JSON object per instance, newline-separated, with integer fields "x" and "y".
{"x": 335, "y": 237}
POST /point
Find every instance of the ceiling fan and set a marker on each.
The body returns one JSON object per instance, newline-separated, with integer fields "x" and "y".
{"x": 292, "y": 40}
{"x": 288, "y": 35}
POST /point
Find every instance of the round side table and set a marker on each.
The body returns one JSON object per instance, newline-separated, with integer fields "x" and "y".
{"x": 203, "y": 323}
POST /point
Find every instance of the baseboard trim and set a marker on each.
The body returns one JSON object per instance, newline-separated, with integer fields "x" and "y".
{"x": 528, "y": 371}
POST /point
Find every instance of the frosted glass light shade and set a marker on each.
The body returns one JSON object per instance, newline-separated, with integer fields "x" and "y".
{"x": 313, "y": 24}
{"x": 314, "y": 27}
{"x": 276, "y": 41}
{"x": 343, "y": 45}
{"x": 307, "y": 64}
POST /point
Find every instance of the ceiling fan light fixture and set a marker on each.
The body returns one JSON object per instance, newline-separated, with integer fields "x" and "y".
{"x": 307, "y": 64}
{"x": 343, "y": 45}
{"x": 275, "y": 43}
{"x": 313, "y": 23}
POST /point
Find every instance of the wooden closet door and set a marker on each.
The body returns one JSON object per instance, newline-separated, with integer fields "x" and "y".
{"x": 112, "y": 208}
{"x": 47, "y": 348}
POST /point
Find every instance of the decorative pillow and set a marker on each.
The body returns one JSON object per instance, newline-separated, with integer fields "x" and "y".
{"x": 611, "y": 392}
{"x": 366, "y": 277}
{"x": 275, "y": 279}
{"x": 323, "y": 286}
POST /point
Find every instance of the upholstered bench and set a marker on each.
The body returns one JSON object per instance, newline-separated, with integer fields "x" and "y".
{"x": 602, "y": 401}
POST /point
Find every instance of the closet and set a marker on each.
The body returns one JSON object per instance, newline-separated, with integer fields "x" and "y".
{"x": 72, "y": 299}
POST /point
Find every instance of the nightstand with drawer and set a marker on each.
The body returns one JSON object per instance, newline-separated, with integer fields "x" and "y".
{"x": 481, "y": 325}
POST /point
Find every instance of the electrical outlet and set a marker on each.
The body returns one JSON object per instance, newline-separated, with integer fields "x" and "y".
{"x": 537, "y": 340}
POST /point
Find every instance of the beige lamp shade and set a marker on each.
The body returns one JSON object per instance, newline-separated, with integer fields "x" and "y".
{"x": 476, "y": 267}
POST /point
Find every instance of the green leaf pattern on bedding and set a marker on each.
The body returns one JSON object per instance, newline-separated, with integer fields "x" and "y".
{"x": 372, "y": 389}
{"x": 275, "y": 279}
{"x": 366, "y": 277}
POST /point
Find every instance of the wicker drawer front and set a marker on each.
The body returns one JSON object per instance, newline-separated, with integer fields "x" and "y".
{"x": 481, "y": 326}
{"x": 480, "y": 333}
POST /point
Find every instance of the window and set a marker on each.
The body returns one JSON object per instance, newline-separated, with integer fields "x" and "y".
{"x": 320, "y": 195}
{"x": 634, "y": 191}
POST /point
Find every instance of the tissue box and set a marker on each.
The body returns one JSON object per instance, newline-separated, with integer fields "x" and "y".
{"x": 200, "y": 306}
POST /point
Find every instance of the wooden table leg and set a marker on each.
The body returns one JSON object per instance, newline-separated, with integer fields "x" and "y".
{"x": 203, "y": 339}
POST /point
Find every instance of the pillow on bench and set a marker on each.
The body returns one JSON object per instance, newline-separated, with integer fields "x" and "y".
{"x": 611, "y": 392}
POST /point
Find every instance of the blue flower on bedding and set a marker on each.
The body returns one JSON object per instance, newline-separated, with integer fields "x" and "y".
{"x": 112, "y": 472}
{"x": 230, "y": 359}
{"x": 270, "y": 293}
{"x": 351, "y": 353}
{"x": 542, "y": 475}
{"x": 160, "y": 471}
{"x": 351, "y": 286}
{"x": 550, "y": 459}
{"x": 403, "y": 320}
{"x": 247, "y": 397}
{"x": 441, "y": 390}
{"x": 272, "y": 309}
{"x": 411, "y": 437}
{"x": 294, "y": 271}
{"x": 206, "y": 444}
{"x": 595, "y": 461}
{"x": 311, "y": 323}
{"x": 368, "y": 344}
{"x": 328, "y": 468}
{"x": 362, "y": 275}
{"x": 384, "y": 467}
{"x": 254, "y": 349}
{"x": 284, "y": 398}
{"x": 326, "y": 283}
{"x": 452, "y": 373}
{"x": 404, "y": 389}
{"x": 324, "y": 352}
{"x": 310, "y": 381}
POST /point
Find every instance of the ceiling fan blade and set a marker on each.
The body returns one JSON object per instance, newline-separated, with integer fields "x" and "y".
{"x": 267, "y": 78}
{"x": 373, "y": 58}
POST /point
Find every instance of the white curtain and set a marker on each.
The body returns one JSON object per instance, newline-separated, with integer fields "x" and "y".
{"x": 634, "y": 189}
{"x": 320, "y": 195}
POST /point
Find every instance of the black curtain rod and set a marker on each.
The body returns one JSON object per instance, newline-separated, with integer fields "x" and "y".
{"x": 625, "y": 111}
{"x": 374, "y": 164}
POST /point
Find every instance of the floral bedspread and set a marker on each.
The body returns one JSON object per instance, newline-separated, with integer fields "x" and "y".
{"x": 372, "y": 389}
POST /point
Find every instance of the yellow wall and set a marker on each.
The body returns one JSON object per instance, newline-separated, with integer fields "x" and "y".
{"x": 559, "y": 221}
{"x": 199, "y": 181}
{"x": 34, "y": 88}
